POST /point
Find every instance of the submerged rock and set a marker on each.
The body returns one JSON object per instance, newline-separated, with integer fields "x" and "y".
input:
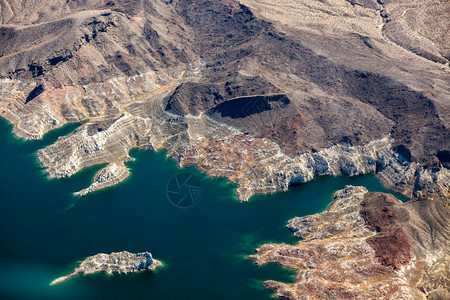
{"x": 115, "y": 263}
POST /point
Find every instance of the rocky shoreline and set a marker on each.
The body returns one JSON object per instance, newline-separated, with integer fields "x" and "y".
{"x": 366, "y": 245}
{"x": 256, "y": 164}
{"x": 267, "y": 94}
{"x": 115, "y": 263}
{"x": 259, "y": 166}
{"x": 270, "y": 100}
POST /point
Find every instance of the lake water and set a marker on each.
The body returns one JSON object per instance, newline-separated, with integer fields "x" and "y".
{"x": 45, "y": 230}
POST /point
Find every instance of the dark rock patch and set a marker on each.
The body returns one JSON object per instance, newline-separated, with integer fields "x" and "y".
{"x": 391, "y": 244}
{"x": 247, "y": 106}
{"x": 56, "y": 60}
{"x": 193, "y": 98}
{"x": 403, "y": 152}
{"x": 36, "y": 70}
{"x": 348, "y": 169}
{"x": 34, "y": 93}
{"x": 444, "y": 158}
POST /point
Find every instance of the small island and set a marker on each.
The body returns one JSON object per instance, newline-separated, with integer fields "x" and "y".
{"x": 115, "y": 263}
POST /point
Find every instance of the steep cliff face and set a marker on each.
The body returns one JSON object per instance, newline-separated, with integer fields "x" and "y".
{"x": 366, "y": 245}
{"x": 289, "y": 97}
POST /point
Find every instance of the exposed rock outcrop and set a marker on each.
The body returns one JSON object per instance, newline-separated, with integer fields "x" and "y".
{"x": 112, "y": 174}
{"x": 115, "y": 263}
{"x": 258, "y": 165}
{"x": 366, "y": 245}
{"x": 293, "y": 97}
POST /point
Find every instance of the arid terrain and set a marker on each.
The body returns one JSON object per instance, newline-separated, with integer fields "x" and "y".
{"x": 316, "y": 84}
{"x": 265, "y": 93}
{"x": 366, "y": 246}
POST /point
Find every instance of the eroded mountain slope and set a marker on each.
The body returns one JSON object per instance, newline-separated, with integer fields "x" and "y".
{"x": 265, "y": 100}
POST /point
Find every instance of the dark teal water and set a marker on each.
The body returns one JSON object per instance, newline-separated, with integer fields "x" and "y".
{"x": 44, "y": 230}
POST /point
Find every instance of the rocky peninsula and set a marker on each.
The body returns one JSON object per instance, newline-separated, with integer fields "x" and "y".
{"x": 267, "y": 94}
{"x": 115, "y": 263}
{"x": 366, "y": 245}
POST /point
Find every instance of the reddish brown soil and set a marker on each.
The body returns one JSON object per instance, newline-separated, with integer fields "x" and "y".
{"x": 390, "y": 243}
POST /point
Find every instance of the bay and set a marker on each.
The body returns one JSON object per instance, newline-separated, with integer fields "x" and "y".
{"x": 45, "y": 230}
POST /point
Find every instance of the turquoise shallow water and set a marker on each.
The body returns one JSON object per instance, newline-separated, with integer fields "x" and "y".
{"x": 44, "y": 230}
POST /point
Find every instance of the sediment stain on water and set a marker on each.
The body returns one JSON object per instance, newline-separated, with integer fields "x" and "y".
{"x": 203, "y": 247}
